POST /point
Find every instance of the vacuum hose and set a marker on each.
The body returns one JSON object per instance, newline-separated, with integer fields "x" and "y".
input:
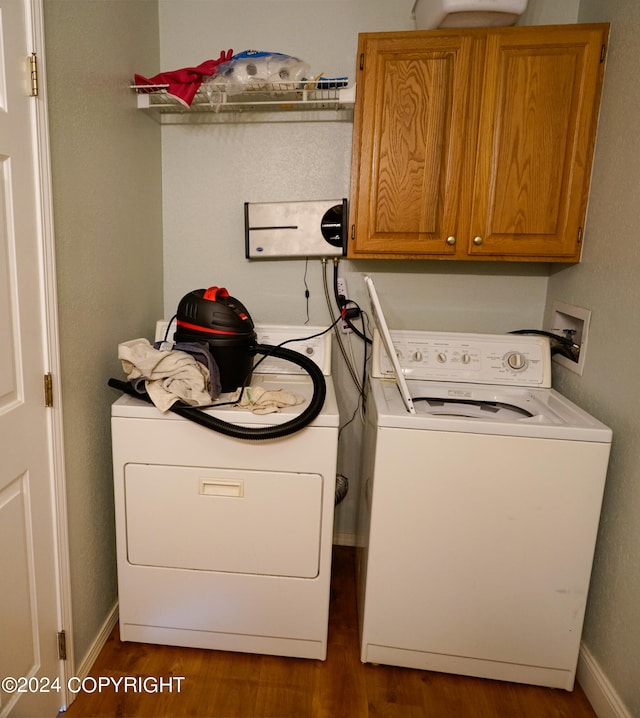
{"x": 253, "y": 433}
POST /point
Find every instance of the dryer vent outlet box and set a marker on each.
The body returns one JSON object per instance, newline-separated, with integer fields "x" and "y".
{"x": 295, "y": 229}
{"x": 571, "y": 322}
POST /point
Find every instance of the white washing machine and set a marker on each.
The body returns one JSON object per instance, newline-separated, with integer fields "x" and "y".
{"x": 480, "y": 510}
{"x": 225, "y": 543}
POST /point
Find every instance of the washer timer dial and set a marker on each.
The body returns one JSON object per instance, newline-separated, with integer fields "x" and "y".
{"x": 516, "y": 361}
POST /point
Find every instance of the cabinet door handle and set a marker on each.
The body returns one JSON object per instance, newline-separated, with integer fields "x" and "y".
{"x": 451, "y": 240}
{"x": 477, "y": 241}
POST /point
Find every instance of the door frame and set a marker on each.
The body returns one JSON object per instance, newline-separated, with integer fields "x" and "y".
{"x": 49, "y": 300}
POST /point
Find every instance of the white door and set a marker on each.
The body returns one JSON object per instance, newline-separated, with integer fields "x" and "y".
{"x": 29, "y": 663}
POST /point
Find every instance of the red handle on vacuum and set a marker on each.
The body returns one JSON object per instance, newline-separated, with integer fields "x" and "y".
{"x": 214, "y": 292}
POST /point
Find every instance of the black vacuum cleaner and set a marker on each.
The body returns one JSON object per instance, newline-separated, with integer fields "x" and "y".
{"x": 224, "y": 324}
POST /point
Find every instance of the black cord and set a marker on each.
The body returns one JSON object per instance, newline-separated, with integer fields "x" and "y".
{"x": 166, "y": 333}
{"x": 551, "y": 335}
{"x": 565, "y": 346}
{"x": 290, "y": 341}
{"x": 342, "y": 306}
{"x": 307, "y": 294}
{"x": 363, "y": 394}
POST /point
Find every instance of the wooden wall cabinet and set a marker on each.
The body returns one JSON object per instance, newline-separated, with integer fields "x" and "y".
{"x": 475, "y": 144}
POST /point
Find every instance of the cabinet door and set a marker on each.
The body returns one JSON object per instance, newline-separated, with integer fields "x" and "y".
{"x": 536, "y": 135}
{"x": 410, "y": 142}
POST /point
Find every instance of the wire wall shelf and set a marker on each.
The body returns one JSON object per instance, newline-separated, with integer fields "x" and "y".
{"x": 319, "y": 100}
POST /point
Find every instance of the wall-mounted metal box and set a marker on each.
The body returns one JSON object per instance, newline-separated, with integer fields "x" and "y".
{"x": 295, "y": 229}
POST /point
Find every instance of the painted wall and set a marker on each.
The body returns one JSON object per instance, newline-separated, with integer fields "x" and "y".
{"x": 606, "y": 282}
{"x": 550, "y": 12}
{"x": 106, "y": 168}
{"x": 210, "y": 171}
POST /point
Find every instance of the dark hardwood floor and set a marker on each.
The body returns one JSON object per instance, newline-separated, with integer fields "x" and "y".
{"x": 219, "y": 684}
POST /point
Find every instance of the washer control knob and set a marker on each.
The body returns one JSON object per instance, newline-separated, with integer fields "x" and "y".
{"x": 417, "y": 355}
{"x": 465, "y": 358}
{"x": 516, "y": 361}
{"x": 441, "y": 357}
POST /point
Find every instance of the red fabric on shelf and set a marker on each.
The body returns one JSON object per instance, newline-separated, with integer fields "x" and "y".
{"x": 184, "y": 83}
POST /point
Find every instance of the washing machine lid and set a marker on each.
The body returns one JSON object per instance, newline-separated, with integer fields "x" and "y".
{"x": 485, "y": 409}
{"x": 383, "y": 337}
{"x": 132, "y": 407}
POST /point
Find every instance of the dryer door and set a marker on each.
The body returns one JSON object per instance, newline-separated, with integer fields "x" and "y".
{"x": 211, "y": 519}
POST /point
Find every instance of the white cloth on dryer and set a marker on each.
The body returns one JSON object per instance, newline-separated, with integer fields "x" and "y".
{"x": 267, "y": 401}
{"x": 169, "y": 375}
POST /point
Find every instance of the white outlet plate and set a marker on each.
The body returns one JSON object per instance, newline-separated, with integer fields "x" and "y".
{"x": 567, "y": 316}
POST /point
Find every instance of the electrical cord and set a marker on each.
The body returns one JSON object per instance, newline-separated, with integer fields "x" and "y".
{"x": 341, "y": 305}
{"x": 339, "y": 338}
{"x": 350, "y": 362}
{"x": 307, "y": 294}
{"x": 551, "y": 335}
{"x": 166, "y": 331}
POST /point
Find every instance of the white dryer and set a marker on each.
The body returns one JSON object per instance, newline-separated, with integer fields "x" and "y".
{"x": 480, "y": 510}
{"x": 226, "y": 543}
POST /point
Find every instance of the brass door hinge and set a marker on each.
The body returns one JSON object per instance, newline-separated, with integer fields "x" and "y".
{"x": 62, "y": 646}
{"x": 33, "y": 67}
{"x": 362, "y": 60}
{"x": 48, "y": 389}
{"x": 579, "y": 235}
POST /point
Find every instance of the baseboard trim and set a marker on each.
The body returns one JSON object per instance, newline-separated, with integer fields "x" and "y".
{"x": 597, "y": 688}
{"x": 82, "y": 671}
